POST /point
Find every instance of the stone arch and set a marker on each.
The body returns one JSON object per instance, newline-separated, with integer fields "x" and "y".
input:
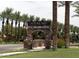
{"x": 44, "y": 28}
{"x": 38, "y": 34}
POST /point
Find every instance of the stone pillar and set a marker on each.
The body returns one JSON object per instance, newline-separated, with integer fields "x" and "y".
{"x": 47, "y": 42}
{"x": 28, "y": 42}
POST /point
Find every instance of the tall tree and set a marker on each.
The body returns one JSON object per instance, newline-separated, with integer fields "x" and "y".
{"x": 8, "y": 12}
{"x": 19, "y": 20}
{"x": 66, "y": 25}
{"x": 54, "y": 25}
{"x": 17, "y": 15}
{"x": 25, "y": 18}
{"x": 37, "y": 19}
{"x": 31, "y": 17}
{"x": 3, "y": 19}
{"x": 67, "y": 21}
{"x": 12, "y": 18}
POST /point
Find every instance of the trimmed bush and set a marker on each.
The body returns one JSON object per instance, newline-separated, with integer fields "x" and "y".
{"x": 60, "y": 43}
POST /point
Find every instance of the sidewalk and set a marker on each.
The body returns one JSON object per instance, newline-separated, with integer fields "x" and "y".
{"x": 13, "y": 53}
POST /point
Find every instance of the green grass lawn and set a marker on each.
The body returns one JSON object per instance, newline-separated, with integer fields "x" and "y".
{"x": 60, "y": 53}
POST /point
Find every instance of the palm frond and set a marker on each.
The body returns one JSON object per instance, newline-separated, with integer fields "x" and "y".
{"x": 75, "y": 4}
{"x": 75, "y": 15}
{"x": 61, "y": 3}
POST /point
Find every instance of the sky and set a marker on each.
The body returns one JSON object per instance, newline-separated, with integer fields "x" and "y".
{"x": 42, "y": 9}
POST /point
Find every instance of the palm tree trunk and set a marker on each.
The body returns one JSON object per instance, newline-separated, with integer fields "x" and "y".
{"x": 11, "y": 26}
{"x": 7, "y": 22}
{"x": 66, "y": 26}
{"x": 16, "y": 29}
{"x": 23, "y": 24}
{"x": 19, "y": 30}
{"x": 24, "y": 31}
{"x": 3, "y": 28}
{"x": 54, "y": 25}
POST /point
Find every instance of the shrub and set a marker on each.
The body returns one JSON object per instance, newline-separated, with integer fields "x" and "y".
{"x": 1, "y": 41}
{"x": 60, "y": 43}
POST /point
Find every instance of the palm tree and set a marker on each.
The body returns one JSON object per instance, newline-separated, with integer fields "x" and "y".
{"x": 8, "y": 12}
{"x": 31, "y": 17}
{"x": 16, "y": 16}
{"x": 12, "y": 18}
{"x": 67, "y": 21}
{"x": 54, "y": 25}
{"x": 19, "y": 20}
{"x": 24, "y": 19}
{"x": 66, "y": 26}
{"x": 3, "y": 18}
{"x": 37, "y": 19}
{"x": 76, "y": 4}
{"x": 43, "y": 19}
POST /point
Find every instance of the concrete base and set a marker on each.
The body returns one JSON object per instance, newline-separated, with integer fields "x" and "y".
{"x": 38, "y": 43}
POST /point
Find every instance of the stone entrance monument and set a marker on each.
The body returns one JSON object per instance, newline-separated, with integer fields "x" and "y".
{"x": 38, "y": 34}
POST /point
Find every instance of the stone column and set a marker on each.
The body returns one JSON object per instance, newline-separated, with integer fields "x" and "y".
{"x": 28, "y": 42}
{"x": 47, "y": 42}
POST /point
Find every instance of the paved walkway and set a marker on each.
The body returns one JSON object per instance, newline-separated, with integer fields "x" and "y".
{"x": 13, "y": 53}
{"x": 13, "y": 47}
{"x": 10, "y": 47}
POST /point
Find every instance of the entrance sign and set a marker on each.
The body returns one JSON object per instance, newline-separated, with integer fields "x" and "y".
{"x": 38, "y": 32}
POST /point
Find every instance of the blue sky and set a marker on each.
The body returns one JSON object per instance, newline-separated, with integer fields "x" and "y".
{"x": 43, "y": 9}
